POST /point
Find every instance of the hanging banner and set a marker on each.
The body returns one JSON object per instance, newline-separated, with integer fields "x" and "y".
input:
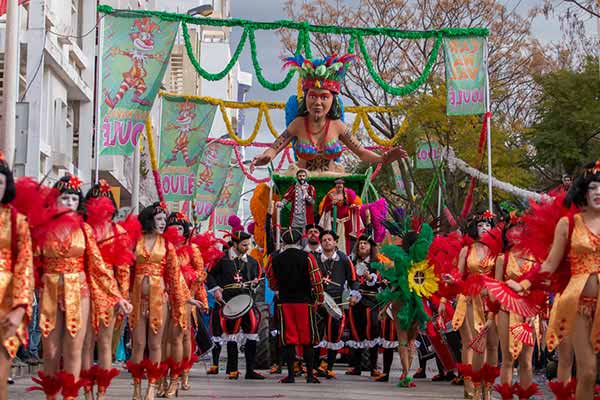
{"x": 135, "y": 55}
{"x": 400, "y": 188}
{"x": 210, "y": 177}
{"x": 465, "y": 75}
{"x": 229, "y": 200}
{"x": 185, "y": 125}
{"x": 427, "y": 153}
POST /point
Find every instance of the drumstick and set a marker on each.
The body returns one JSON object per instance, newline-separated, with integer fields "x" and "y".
{"x": 344, "y": 304}
{"x": 333, "y": 283}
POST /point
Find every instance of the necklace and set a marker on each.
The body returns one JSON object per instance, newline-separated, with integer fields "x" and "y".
{"x": 325, "y": 127}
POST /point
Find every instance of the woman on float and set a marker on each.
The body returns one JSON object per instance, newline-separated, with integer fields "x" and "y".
{"x": 475, "y": 313}
{"x": 156, "y": 280}
{"x": 317, "y": 133}
{"x": 74, "y": 276}
{"x": 576, "y": 312}
{"x": 16, "y": 276}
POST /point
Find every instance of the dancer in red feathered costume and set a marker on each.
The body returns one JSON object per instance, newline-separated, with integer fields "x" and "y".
{"x": 73, "y": 276}
{"x": 156, "y": 282}
{"x": 178, "y": 351}
{"x": 518, "y": 314}
{"x": 16, "y": 276}
{"x": 574, "y": 314}
{"x": 474, "y": 314}
{"x": 116, "y": 242}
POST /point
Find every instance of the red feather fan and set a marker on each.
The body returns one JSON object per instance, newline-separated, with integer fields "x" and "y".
{"x": 478, "y": 343}
{"x": 473, "y": 285}
{"x": 173, "y": 236}
{"x": 38, "y": 204}
{"x": 444, "y": 251}
{"x": 539, "y": 223}
{"x": 99, "y": 211}
{"x": 208, "y": 244}
{"x": 524, "y": 306}
{"x": 493, "y": 240}
{"x": 523, "y": 333}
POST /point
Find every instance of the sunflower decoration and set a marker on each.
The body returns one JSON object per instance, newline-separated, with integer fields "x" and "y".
{"x": 422, "y": 279}
{"x": 411, "y": 277}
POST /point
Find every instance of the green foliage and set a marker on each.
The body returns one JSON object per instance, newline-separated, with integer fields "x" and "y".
{"x": 566, "y": 133}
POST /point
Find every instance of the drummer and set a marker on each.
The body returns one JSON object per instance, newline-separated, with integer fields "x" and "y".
{"x": 296, "y": 277}
{"x": 232, "y": 276}
{"x": 338, "y": 273}
{"x": 313, "y": 243}
{"x": 364, "y": 322}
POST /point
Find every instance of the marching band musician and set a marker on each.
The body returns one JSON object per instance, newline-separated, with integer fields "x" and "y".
{"x": 338, "y": 271}
{"x": 225, "y": 281}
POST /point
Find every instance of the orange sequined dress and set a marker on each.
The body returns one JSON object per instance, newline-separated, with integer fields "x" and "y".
{"x": 161, "y": 266}
{"x": 513, "y": 270}
{"x": 475, "y": 264}
{"x": 16, "y": 274}
{"x": 73, "y": 269}
{"x": 584, "y": 259}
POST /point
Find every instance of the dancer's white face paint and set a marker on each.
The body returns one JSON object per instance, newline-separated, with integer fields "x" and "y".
{"x": 70, "y": 201}
{"x": 483, "y": 227}
{"x": 593, "y": 195}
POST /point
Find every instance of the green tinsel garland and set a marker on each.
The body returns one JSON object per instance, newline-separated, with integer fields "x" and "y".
{"x": 303, "y": 28}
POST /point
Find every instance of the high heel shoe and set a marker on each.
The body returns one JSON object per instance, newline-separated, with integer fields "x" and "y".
{"x": 151, "y": 392}
{"x": 185, "y": 381}
{"x": 173, "y": 389}
{"x": 137, "y": 391}
{"x": 161, "y": 387}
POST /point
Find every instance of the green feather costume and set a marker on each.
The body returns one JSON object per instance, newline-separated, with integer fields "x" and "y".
{"x": 411, "y": 310}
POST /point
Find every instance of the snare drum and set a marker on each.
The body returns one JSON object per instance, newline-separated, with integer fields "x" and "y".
{"x": 238, "y": 306}
{"x": 331, "y": 306}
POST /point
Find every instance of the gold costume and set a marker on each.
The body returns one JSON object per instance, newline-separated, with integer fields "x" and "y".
{"x": 192, "y": 257}
{"x": 474, "y": 265}
{"x": 16, "y": 279}
{"x": 73, "y": 269}
{"x": 161, "y": 266}
{"x": 584, "y": 259}
{"x": 121, "y": 273}
{"x": 514, "y": 271}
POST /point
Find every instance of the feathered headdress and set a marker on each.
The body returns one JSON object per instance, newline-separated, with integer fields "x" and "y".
{"x": 321, "y": 73}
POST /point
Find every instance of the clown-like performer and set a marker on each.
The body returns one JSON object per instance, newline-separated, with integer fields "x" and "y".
{"x": 74, "y": 275}
{"x": 184, "y": 127}
{"x": 116, "y": 244}
{"x": 317, "y": 133}
{"x": 142, "y": 39}
{"x": 16, "y": 276}
{"x": 156, "y": 281}
{"x": 475, "y": 312}
{"x": 575, "y": 313}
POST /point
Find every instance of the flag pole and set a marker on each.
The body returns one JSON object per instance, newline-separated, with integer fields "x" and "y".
{"x": 489, "y": 127}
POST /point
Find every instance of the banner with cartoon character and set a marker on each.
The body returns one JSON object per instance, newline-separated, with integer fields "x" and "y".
{"x": 210, "y": 177}
{"x": 230, "y": 198}
{"x": 185, "y": 125}
{"x": 135, "y": 55}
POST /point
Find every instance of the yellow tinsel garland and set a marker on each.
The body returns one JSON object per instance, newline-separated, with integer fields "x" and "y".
{"x": 264, "y": 108}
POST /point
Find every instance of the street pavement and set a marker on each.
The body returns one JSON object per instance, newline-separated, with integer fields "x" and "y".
{"x": 217, "y": 387}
